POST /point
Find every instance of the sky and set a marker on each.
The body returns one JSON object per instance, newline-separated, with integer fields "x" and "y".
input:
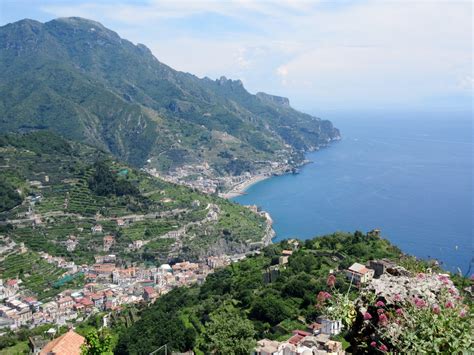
{"x": 323, "y": 55}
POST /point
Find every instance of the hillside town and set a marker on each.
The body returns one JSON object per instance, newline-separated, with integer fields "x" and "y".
{"x": 108, "y": 287}
{"x": 202, "y": 177}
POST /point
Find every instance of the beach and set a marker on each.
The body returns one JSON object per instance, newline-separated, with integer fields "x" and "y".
{"x": 240, "y": 188}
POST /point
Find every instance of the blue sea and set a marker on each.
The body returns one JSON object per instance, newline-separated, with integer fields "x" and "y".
{"x": 408, "y": 174}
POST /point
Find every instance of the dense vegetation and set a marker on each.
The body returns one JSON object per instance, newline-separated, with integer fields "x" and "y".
{"x": 77, "y": 78}
{"x": 236, "y": 304}
{"x": 9, "y": 197}
{"x": 104, "y": 183}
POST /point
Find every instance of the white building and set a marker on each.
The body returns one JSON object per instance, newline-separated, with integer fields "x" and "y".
{"x": 359, "y": 273}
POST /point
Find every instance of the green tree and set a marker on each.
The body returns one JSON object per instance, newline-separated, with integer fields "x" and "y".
{"x": 98, "y": 343}
{"x": 271, "y": 308}
{"x": 228, "y": 332}
{"x": 9, "y": 198}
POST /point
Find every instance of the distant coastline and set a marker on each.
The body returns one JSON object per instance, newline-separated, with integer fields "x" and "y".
{"x": 361, "y": 182}
{"x": 240, "y": 189}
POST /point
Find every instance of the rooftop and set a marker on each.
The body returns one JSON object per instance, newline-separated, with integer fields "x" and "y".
{"x": 358, "y": 268}
{"x": 67, "y": 344}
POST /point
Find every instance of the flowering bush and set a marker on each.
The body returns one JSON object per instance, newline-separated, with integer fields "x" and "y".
{"x": 337, "y": 306}
{"x": 416, "y": 324}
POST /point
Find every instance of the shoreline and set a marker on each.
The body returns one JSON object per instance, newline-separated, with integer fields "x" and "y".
{"x": 239, "y": 190}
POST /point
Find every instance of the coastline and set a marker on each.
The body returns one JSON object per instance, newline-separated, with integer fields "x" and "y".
{"x": 240, "y": 189}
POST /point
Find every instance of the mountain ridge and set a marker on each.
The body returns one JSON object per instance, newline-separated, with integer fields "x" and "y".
{"x": 78, "y": 78}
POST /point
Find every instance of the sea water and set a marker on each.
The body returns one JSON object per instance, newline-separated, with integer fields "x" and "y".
{"x": 408, "y": 174}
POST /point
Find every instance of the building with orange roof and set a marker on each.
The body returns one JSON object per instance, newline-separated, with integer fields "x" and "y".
{"x": 149, "y": 294}
{"x": 104, "y": 270}
{"x": 108, "y": 241}
{"x": 120, "y": 222}
{"x": 67, "y": 344}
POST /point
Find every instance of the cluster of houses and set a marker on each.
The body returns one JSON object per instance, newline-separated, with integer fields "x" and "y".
{"x": 107, "y": 287}
{"x": 208, "y": 182}
{"x": 315, "y": 340}
{"x": 205, "y": 182}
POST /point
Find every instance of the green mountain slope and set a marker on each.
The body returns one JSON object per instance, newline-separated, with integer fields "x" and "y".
{"x": 62, "y": 189}
{"x": 81, "y": 80}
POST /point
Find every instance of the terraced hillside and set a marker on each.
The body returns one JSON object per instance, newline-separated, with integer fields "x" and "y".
{"x": 37, "y": 275}
{"x": 78, "y": 203}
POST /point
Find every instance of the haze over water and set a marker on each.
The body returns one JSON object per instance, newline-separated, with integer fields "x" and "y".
{"x": 408, "y": 174}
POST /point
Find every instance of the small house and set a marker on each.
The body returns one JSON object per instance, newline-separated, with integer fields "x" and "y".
{"x": 287, "y": 252}
{"x": 97, "y": 229}
{"x": 67, "y": 344}
{"x": 359, "y": 273}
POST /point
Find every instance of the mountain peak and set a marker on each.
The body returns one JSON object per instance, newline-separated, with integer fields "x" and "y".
{"x": 25, "y": 24}
{"x": 72, "y": 26}
{"x": 79, "y": 21}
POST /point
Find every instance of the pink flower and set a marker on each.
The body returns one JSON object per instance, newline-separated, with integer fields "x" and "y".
{"x": 436, "y": 309}
{"x": 382, "y": 347}
{"x": 397, "y": 297}
{"x": 419, "y": 303}
{"x": 383, "y": 320}
{"x": 367, "y": 316}
{"x": 449, "y": 304}
{"x": 453, "y": 291}
{"x": 463, "y": 313}
{"x": 442, "y": 277}
{"x": 373, "y": 344}
{"x": 380, "y": 304}
{"x": 399, "y": 311}
{"x": 323, "y": 296}
{"x": 331, "y": 280}
{"x": 380, "y": 311}
{"x": 420, "y": 275}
